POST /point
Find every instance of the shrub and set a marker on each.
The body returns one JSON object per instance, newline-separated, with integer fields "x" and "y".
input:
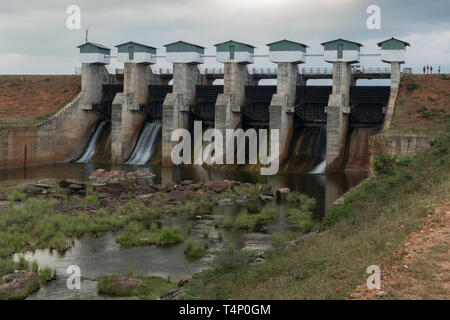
{"x": 16, "y": 195}
{"x": 135, "y": 226}
{"x": 194, "y": 249}
{"x": 46, "y": 274}
{"x": 91, "y": 200}
{"x": 7, "y": 266}
{"x": 384, "y": 164}
{"x": 23, "y": 264}
{"x": 411, "y": 87}
{"x": 337, "y": 212}
{"x": 34, "y": 266}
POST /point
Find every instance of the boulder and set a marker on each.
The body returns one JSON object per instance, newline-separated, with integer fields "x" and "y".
{"x": 225, "y": 202}
{"x": 43, "y": 185}
{"x": 194, "y": 186}
{"x": 76, "y": 187}
{"x": 32, "y": 190}
{"x": 66, "y": 183}
{"x": 241, "y": 199}
{"x": 18, "y": 283}
{"x": 264, "y": 197}
{"x": 282, "y": 193}
{"x": 217, "y": 186}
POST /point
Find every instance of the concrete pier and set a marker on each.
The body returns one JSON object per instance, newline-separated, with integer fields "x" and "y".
{"x": 126, "y": 117}
{"x": 282, "y": 104}
{"x": 228, "y": 105}
{"x": 93, "y": 77}
{"x": 395, "y": 82}
{"x": 337, "y": 115}
{"x": 176, "y": 105}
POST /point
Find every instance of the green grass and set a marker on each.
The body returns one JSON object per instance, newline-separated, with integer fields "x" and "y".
{"x": 146, "y": 288}
{"x": 91, "y": 200}
{"x": 8, "y": 266}
{"x": 374, "y": 221}
{"x": 195, "y": 249}
{"x": 411, "y": 87}
{"x": 15, "y": 196}
{"x": 164, "y": 237}
{"x": 246, "y": 220}
{"x": 39, "y": 224}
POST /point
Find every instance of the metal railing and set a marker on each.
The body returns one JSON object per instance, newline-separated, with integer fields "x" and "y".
{"x": 273, "y": 71}
{"x": 316, "y": 71}
{"x": 264, "y": 71}
{"x": 213, "y": 71}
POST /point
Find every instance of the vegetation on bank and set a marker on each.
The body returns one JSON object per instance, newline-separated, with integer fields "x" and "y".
{"x": 375, "y": 219}
{"x": 45, "y": 215}
{"x": 27, "y": 276}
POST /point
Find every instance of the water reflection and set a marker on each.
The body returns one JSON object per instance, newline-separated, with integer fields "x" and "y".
{"x": 325, "y": 188}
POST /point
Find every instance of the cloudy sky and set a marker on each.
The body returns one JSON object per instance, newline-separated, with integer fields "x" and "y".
{"x": 34, "y": 38}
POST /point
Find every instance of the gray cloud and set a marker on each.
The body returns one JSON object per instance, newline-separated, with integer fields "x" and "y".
{"x": 34, "y": 38}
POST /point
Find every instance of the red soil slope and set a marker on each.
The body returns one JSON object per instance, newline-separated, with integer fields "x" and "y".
{"x": 423, "y": 103}
{"x": 35, "y": 97}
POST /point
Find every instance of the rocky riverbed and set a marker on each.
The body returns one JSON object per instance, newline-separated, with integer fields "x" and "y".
{"x": 56, "y": 212}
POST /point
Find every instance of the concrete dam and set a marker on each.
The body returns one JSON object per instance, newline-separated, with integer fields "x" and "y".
{"x": 321, "y": 127}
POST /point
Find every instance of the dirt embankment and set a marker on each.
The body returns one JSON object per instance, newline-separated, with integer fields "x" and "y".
{"x": 32, "y": 98}
{"x": 421, "y": 268}
{"x": 423, "y": 105}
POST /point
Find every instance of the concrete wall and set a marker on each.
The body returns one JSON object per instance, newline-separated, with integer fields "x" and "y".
{"x": 282, "y": 105}
{"x": 176, "y": 105}
{"x": 126, "y": 124}
{"x": 337, "y": 116}
{"x": 126, "y": 119}
{"x": 62, "y": 137}
{"x": 397, "y": 145}
{"x": 395, "y": 83}
{"x": 228, "y": 105}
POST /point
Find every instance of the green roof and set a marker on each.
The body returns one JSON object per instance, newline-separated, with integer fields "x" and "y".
{"x": 138, "y": 47}
{"x": 238, "y": 46}
{"x": 289, "y": 41}
{"x": 348, "y": 45}
{"x": 287, "y": 45}
{"x": 234, "y": 42}
{"x": 182, "y": 46}
{"x": 93, "y": 44}
{"x": 136, "y": 43}
{"x": 393, "y": 44}
{"x": 92, "y": 47}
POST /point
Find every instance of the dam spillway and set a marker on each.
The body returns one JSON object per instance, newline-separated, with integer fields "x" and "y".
{"x": 146, "y": 145}
{"x": 93, "y": 143}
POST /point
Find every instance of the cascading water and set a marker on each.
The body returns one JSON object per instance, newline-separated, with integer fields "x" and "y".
{"x": 146, "y": 144}
{"x": 90, "y": 150}
{"x": 321, "y": 152}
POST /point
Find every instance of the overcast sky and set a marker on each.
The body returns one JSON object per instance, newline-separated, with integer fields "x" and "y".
{"x": 34, "y": 38}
